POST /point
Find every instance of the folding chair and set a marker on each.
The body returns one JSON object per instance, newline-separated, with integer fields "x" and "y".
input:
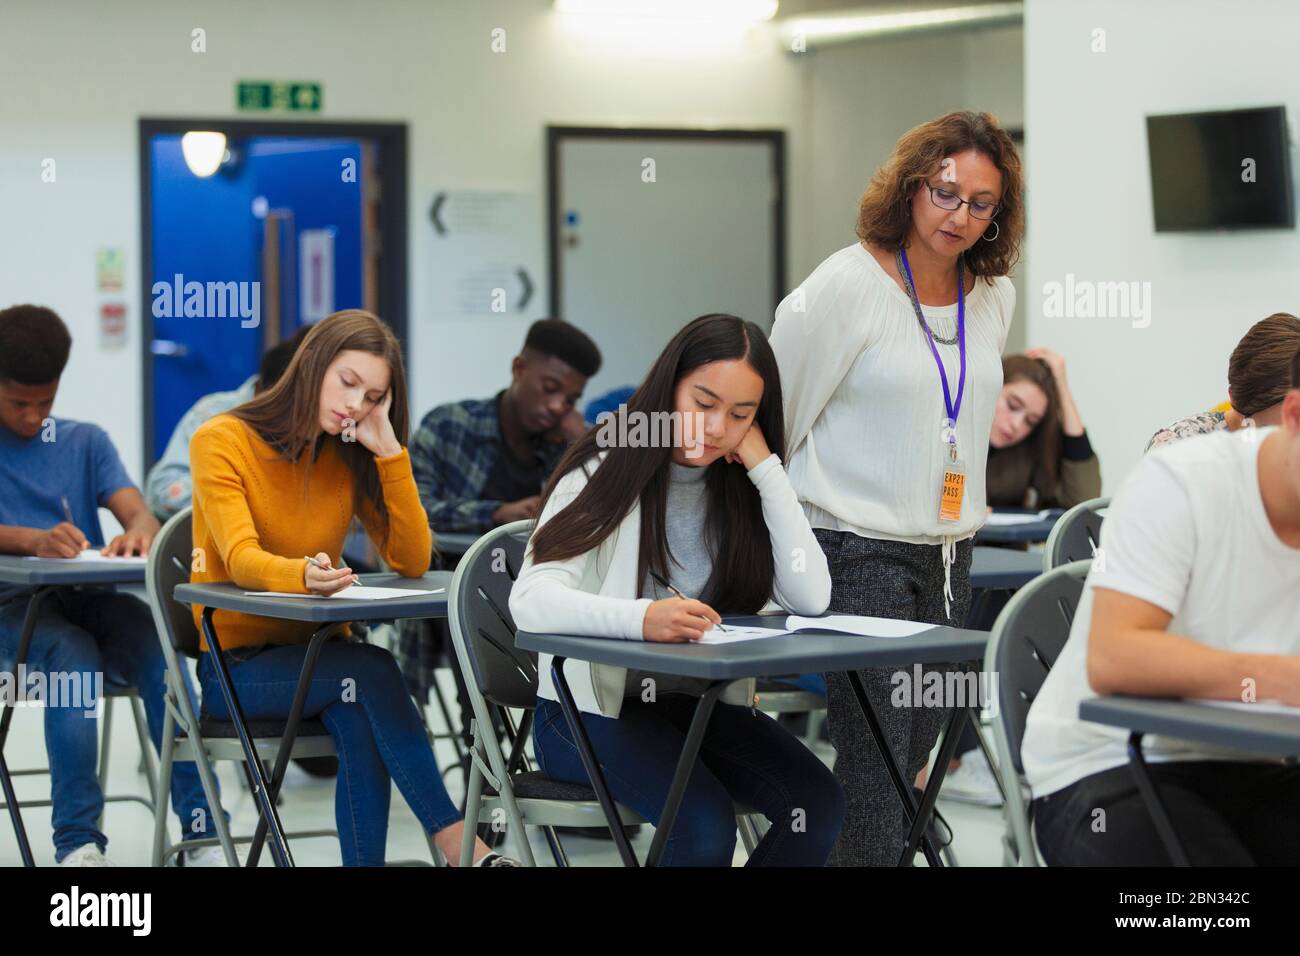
{"x": 111, "y": 693}
{"x": 1076, "y": 534}
{"x": 203, "y": 739}
{"x": 1025, "y": 642}
{"x": 500, "y": 675}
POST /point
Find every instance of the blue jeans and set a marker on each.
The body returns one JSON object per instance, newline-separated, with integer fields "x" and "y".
{"x": 745, "y": 758}
{"x": 88, "y": 631}
{"x": 358, "y": 693}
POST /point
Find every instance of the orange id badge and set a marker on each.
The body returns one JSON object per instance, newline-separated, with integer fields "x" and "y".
{"x": 954, "y": 487}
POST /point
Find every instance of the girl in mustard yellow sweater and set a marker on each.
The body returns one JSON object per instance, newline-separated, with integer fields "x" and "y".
{"x": 280, "y": 477}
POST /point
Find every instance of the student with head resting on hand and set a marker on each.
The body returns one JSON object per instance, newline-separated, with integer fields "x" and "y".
{"x": 1195, "y": 593}
{"x": 712, "y": 514}
{"x": 55, "y": 475}
{"x": 1039, "y": 453}
{"x": 279, "y": 478}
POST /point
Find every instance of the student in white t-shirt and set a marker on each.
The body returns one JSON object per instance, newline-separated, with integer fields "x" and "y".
{"x": 1196, "y": 594}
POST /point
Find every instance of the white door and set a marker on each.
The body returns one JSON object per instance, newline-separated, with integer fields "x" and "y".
{"x": 654, "y": 232}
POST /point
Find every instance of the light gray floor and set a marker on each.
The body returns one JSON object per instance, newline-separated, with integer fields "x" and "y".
{"x": 309, "y": 804}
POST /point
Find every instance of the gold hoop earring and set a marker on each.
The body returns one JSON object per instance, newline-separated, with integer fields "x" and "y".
{"x": 998, "y": 232}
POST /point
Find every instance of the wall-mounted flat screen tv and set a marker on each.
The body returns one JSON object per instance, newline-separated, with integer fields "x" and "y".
{"x": 1230, "y": 169}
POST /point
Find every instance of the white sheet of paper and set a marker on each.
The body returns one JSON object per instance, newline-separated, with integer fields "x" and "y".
{"x": 358, "y": 592}
{"x": 858, "y": 624}
{"x": 94, "y": 556}
{"x": 1259, "y": 707}
{"x": 999, "y": 519}
{"x": 734, "y": 634}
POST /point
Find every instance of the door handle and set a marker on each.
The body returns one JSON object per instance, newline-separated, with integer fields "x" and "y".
{"x": 168, "y": 348}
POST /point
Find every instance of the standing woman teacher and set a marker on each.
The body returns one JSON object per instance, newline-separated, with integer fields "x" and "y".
{"x": 890, "y": 362}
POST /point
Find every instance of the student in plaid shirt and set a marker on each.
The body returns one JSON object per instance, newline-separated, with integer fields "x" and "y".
{"x": 481, "y": 463}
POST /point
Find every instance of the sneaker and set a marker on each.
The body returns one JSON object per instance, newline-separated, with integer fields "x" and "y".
{"x": 496, "y": 859}
{"x": 972, "y": 782}
{"x": 88, "y": 855}
{"x": 206, "y": 856}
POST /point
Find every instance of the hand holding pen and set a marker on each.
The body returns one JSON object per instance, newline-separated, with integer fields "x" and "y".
{"x": 64, "y": 540}
{"x": 321, "y": 577}
{"x": 678, "y": 619}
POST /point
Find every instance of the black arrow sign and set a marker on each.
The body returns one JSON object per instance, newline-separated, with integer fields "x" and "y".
{"x": 438, "y": 200}
{"x": 528, "y": 288}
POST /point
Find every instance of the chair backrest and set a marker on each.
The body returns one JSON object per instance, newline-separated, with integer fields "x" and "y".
{"x": 478, "y": 612}
{"x": 1076, "y": 534}
{"x": 1026, "y": 640}
{"x": 169, "y": 565}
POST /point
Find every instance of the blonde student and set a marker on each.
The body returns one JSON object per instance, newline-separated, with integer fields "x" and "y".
{"x": 626, "y": 526}
{"x": 282, "y": 477}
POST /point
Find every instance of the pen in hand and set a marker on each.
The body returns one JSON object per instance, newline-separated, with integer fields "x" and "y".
{"x": 316, "y": 564}
{"x": 665, "y": 584}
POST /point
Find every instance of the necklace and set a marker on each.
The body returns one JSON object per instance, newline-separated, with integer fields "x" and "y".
{"x": 916, "y": 299}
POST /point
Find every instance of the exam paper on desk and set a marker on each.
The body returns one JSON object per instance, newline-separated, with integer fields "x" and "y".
{"x": 842, "y": 623}
{"x": 93, "y": 556}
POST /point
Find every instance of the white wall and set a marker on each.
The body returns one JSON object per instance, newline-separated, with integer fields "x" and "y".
{"x": 1090, "y": 201}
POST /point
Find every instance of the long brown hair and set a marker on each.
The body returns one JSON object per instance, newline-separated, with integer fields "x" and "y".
{"x": 1045, "y": 439}
{"x": 287, "y": 415}
{"x": 743, "y": 566}
{"x": 885, "y": 210}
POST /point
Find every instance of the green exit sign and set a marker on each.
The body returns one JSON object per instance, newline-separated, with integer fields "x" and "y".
{"x": 256, "y": 96}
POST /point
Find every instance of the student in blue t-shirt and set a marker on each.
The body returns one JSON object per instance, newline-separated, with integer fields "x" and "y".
{"x": 45, "y": 462}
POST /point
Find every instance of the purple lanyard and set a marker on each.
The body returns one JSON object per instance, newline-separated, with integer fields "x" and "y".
{"x": 953, "y": 409}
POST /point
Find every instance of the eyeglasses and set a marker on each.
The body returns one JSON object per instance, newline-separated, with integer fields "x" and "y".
{"x": 950, "y": 201}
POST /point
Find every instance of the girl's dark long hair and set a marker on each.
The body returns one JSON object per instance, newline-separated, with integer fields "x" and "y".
{"x": 287, "y": 415}
{"x": 743, "y": 565}
{"x": 1045, "y": 439}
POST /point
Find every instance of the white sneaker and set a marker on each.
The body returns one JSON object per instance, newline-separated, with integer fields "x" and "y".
{"x": 972, "y": 782}
{"x": 88, "y": 855}
{"x": 206, "y": 856}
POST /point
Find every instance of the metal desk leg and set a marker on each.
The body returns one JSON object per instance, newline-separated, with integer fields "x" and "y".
{"x": 6, "y": 781}
{"x": 682, "y": 775}
{"x": 253, "y": 762}
{"x": 947, "y": 745}
{"x": 589, "y": 763}
{"x": 1155, "y": 806}
{"x": 15, "y": 815}
{"x": 290, "y": 734}
{"x": 904, "y": 787}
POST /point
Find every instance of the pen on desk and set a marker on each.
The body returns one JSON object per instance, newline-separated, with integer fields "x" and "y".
{"x": 665, "y": 584}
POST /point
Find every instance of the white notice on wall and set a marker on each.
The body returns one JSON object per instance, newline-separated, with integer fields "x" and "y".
{"x": 315, "y": 274}
{"x": 482, "y": 253}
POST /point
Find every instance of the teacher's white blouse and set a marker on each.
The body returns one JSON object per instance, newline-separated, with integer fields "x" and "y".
{"x": 864, "y": 406}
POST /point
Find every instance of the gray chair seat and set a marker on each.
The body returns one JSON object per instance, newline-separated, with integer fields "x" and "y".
{"x": 535, "y": 785}
{"x": 213, "y": 728}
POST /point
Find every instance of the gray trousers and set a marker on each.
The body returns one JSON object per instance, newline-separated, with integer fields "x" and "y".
{"x": 897, "y": 580}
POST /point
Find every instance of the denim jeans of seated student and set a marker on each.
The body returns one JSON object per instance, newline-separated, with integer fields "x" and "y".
{"x": 358, "y": 693}
{"x": 85, "y": 631}
{"x": 746, "y": 758}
